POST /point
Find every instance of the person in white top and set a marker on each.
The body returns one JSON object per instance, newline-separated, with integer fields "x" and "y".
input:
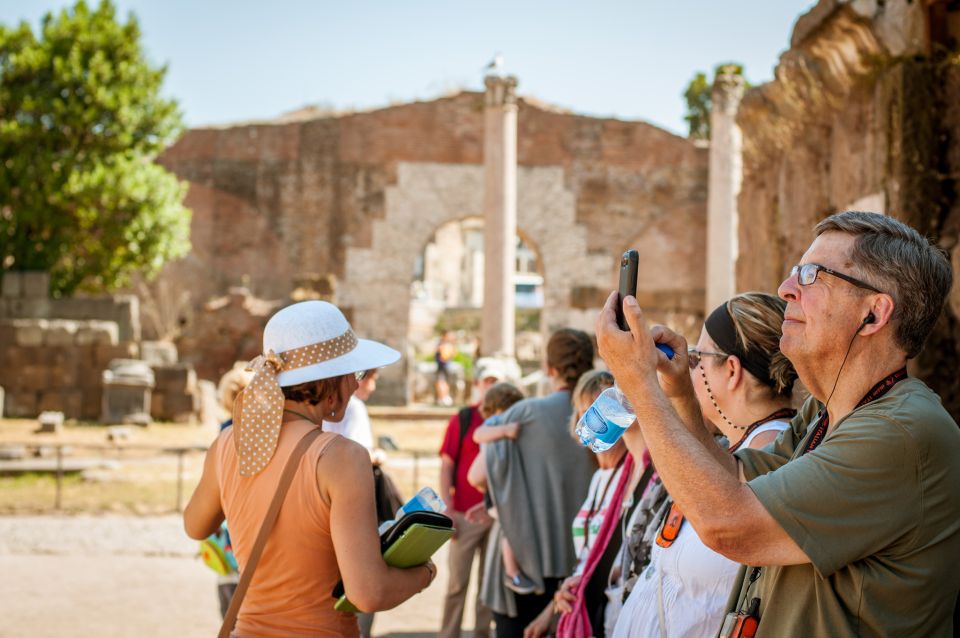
{"x": 355, "y": 424}
{"x": 743, "y": 385}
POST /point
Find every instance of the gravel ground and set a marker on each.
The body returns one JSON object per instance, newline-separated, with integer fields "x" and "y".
{"x": 119, "y": 576}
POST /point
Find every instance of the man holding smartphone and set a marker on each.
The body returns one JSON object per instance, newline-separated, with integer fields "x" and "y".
{"x": 851, "y": 516}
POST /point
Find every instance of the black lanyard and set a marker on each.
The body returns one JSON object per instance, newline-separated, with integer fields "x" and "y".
{"x": 782, "y": 413}
{"x": 877, "y": 391}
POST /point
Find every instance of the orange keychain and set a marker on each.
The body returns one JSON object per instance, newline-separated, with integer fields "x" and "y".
{"x": 671, "y": 527}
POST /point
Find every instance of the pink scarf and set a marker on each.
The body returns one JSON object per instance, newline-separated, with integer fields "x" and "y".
{"x": 576, "y": 624}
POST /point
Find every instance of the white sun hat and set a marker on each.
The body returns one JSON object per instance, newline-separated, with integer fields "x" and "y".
{"x": 307, "y": 341}
{"x": 317, "y": 322}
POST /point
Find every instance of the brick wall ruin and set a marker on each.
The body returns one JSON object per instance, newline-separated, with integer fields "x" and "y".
{"x": 54, "y": 352}
{"x": 359, "y": 196}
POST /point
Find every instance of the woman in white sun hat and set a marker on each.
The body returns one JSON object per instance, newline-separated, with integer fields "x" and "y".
{"x": 326, "y": 529}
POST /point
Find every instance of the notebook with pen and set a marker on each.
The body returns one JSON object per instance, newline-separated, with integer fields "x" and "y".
{"x": 409, "y": 542}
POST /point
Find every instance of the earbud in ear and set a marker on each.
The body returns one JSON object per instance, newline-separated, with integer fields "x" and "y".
{"x": 870, "y": 318}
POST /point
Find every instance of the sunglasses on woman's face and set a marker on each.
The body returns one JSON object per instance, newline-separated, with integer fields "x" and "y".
{"x": 694, "y": 356}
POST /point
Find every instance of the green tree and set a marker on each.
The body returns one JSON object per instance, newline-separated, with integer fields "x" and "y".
{"x": 81, "y": 122}
{"x": 697, "y": 97}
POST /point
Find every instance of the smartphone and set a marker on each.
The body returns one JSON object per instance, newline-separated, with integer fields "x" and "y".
{"x": 628, "y": 283}
{"x": 629, "y": 263}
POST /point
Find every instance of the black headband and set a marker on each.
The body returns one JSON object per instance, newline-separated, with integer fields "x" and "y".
{"x": 720, "y": 327}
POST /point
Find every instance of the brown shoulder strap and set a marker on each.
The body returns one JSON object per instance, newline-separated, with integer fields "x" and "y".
{"x": 289, "y": 470}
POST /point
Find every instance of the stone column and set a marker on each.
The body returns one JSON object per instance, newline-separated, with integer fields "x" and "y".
{"x": 499, "y": 215}
{"x": 726, "y": 174}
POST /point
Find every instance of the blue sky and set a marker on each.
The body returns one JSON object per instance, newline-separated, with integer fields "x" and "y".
{"x": 239, "y": 60}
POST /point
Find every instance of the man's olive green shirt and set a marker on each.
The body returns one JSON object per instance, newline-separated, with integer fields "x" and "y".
{"x": 876, "y": 508}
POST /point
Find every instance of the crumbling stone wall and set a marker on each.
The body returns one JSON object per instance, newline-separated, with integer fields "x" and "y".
{"x": 226, "y": 330}
{"x": 56, "y": 364}
{"x": 54, "y": 352}
{"x": 863, "y": 115}
{"x": 358, "y": 196}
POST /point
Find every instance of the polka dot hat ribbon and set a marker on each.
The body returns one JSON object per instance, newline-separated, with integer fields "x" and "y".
{"x": 258, "y": 411}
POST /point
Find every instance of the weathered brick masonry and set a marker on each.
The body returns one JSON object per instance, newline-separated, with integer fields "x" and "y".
{"x": 358, "y": 196}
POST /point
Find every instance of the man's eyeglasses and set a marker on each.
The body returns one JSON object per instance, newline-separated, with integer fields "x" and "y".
{"x": 806, "y": 274}
{"x": 360, "y": 375}
{"x": 694, "y": 356}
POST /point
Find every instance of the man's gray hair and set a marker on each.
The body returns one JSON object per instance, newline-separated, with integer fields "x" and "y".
{"x": 900, "y": 261}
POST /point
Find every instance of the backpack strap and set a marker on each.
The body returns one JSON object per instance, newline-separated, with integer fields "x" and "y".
{"x": 286, "y": 478}
{"x": 465, "y": 417}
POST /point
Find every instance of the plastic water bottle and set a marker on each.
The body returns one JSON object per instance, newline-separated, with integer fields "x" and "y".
{"x": 602, "y": 425}
{"x": 426, "y": 500}
{"x": 604, "y": 422}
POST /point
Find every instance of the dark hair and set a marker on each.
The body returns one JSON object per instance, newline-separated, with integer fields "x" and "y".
{"x": 313, "y": 392}
{"x": 498, "y": 398}
{"x": 899, "y": 260}
{"x": 570, "y": 353}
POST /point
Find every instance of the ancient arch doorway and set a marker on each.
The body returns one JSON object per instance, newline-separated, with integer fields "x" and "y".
{"x": 378, "y": 270}
{"x": 446, "y": 298}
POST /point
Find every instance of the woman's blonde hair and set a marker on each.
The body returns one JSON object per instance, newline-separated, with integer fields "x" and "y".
{"x": 232, "y": 383}
{"x": 758, "y": 320}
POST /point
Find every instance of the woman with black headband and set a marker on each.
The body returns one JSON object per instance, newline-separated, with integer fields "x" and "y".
{"x": 743, "y": 384}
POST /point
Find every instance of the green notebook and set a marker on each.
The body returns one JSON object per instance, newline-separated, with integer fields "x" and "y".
{"x": 414, "y": 547}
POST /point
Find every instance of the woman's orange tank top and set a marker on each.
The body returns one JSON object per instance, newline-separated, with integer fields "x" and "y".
{"x": 290, "y": 594}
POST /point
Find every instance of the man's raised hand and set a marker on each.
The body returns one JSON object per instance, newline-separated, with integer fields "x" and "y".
{"x": 628, "y": 354}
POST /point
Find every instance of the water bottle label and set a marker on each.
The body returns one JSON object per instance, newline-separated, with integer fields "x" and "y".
{"x": 602, "y": 425}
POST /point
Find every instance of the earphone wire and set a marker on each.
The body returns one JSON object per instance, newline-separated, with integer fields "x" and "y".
{"x": 865, "y": 321}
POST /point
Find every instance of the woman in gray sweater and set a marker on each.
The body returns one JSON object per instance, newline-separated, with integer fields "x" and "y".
{"x": 537, "y": 483}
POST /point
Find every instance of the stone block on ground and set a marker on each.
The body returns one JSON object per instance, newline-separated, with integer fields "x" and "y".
{"x": 179, "y": 378}
{"x": 127, "y": 386}
{"x": 181, "y": 408}
{"x": 158, "y": 353}
{"x": 51, "y": 422}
